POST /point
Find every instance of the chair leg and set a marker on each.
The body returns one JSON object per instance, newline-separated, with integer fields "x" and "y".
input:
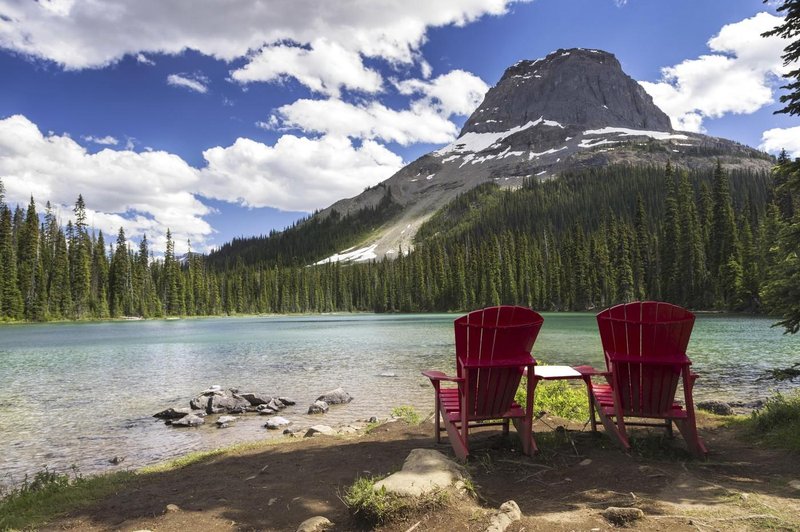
{"x": 437, "y": 427}
{"x": 590, "y": 395}
{"x": 505, "y": 428}
{"x": 615, "y": 430}
{"x": 668, "y": 427}
{"x": 688, "y": 429}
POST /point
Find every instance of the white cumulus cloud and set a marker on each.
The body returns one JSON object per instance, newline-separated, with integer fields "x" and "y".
{"x": 737, "y": 78}
{"x": 777, "y": 139}
{"x": 369, "y": 121}
{"x": 108, "y": 140}
{"x": 324, "y": 67}
{"x": 192, "y": 82}
{"x": 455, "y": 93}
{"x": 152, "y": 189}
{"x": 79, "y": 35}
{"x": 296, "y": 174}
{"x": 426, "y": 120}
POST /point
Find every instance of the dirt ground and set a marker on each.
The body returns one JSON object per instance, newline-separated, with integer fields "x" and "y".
{"x": 575, "y": 477}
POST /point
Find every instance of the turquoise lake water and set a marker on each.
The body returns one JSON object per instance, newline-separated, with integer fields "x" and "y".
{"x": 82, "y": 393}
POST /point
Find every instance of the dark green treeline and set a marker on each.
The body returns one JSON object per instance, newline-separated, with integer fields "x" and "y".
{"x": 586, "y": 240}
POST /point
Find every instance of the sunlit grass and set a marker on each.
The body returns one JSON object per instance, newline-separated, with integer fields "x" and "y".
{"x": 776, "y": 424}
{"x": 49, "y": 494}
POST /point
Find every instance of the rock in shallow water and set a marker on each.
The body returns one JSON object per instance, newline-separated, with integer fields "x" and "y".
{"x": 224, "y": 421}
{"x": 276, "y": 423}
{"x": 173, "y": 413}
{"x": 319, "y": 407}
{"x": 190, "y": 420}
{"x": 335, "y": 397}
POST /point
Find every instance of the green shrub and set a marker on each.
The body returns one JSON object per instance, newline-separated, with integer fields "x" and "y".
{"x": 408, "y": 414}
{"x": 777, "y": 423}
{"x": 376, "y": 507}
{"x": 560, "y": 398}
{"x": 49, "y": 494}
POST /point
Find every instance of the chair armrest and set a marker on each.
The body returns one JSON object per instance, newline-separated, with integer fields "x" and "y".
{"x": 439, "y": 376}
{"x": 589, "y": 371}
{"x": 510, "y": 363}
{"x": 680, "y": 360}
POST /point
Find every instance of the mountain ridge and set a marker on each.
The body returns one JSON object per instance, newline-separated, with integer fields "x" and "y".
{"x": 573, "y": 109}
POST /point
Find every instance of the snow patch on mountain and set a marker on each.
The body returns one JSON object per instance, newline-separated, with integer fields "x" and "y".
{"x": 627, "y": 132}
{"x": 475, "y": 142}
{"x": 358, "y": 255}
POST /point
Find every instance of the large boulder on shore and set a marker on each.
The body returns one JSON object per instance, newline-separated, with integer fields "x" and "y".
{"x": 335, "y": 397}
{"x": 424, "y": 471}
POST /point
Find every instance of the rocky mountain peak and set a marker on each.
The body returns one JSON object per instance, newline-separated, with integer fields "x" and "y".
{"x": 575, "y": 87}
{"x": 573, "y": 109}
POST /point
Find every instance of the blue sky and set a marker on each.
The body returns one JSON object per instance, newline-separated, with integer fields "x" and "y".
{"x": 219, "y": 124}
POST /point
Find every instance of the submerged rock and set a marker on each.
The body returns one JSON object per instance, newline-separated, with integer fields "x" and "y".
{"x": 335, "y": 397}
{"x": 190, "y": 420}
{"x": 225, "y": 421}
{"x": 319, "y": 407}
{"x": 277, "y": 422}
{"x": 173, "y": 413}
{"x": 256, "y": 399}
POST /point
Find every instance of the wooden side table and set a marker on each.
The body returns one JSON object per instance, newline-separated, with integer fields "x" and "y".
{"x": 552, "y": 373}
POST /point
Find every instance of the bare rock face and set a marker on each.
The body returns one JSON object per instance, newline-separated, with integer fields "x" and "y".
{"x": 572, "y": 110}
{"x": 578, "y": 87}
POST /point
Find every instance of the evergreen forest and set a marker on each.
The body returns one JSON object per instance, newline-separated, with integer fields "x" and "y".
{"x": 586, "y": 240}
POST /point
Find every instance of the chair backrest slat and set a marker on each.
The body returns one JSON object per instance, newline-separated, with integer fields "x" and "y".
{"x": 491, "y": 335}
{"x": 640, "y": 333}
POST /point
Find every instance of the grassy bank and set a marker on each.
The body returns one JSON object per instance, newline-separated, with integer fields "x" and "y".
{"x": 48, "y": 494}
{"x": 776, "y": 424}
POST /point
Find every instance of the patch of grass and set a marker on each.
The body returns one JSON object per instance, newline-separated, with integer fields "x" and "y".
{"x": 408, "y": 414}
{"x": 376, "y": 507}
{"x": 49, "y": 494}
{"x": 777, "y": 423}
{"x": 185, "y": 460}
{"x": 560, "y": 398}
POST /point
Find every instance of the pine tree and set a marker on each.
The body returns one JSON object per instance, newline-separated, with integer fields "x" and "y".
{"x": 724, "y": 261}
{"x": 670, "y": 241}
{"x": 691, "y": 253}
{"x": 99, "y": 282}
{"x": 28, "y": 260}
{"x": 80, "y": 263}
{"x": 119, "y": 278}
{"x": 11, "y": 298}
{"x": 60, "y": 301}
{"x": 783, "y": 290}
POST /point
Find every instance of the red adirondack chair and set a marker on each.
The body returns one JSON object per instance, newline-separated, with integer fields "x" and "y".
{"x": 644, "y": 344}
{"x": 493, "y": 348}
